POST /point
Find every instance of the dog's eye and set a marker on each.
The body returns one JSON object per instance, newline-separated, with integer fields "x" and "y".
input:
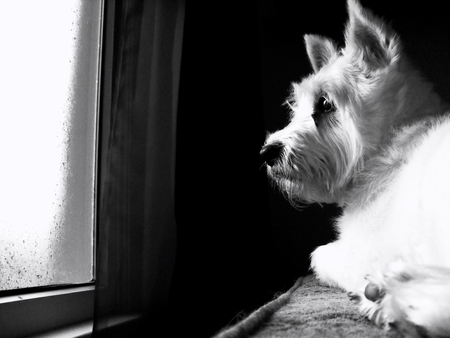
{"x": 325, "y": 105}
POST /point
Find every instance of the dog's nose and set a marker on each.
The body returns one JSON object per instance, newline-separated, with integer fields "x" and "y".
{"x": 271, "y": 152}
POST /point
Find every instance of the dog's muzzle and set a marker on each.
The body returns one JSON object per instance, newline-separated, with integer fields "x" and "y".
{"x": 272, "y": 152}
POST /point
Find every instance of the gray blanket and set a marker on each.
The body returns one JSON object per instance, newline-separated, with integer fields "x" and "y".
{"x": 308, "y": 309}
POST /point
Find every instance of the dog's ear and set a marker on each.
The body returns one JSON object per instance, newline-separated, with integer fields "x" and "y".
{"x": 320, "y": 50}
{"x": 375, "y": 44}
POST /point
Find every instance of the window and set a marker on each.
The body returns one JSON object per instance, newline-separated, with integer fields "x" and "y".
{"x": 49, "y": 81}
{"x": 49, "y": 65}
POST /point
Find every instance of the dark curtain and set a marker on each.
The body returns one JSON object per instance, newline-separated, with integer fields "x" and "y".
{"x": 136, "y": 235}
{"x": 188, "y": 260}
{"x": 225, "y": 263}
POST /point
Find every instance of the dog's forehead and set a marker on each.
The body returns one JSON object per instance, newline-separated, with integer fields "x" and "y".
{"x": 335, "y": 80}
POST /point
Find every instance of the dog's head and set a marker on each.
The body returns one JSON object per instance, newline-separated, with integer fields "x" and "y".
{"x": 338, "y": 113}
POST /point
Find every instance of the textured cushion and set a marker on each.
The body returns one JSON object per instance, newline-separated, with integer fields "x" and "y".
{"x": 308, "y": 309}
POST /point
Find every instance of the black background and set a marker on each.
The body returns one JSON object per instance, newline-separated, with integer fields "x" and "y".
{"x": 239, "y": 241}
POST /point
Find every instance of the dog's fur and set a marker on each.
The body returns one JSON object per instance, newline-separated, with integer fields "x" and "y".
{"x": 369, "y": 133}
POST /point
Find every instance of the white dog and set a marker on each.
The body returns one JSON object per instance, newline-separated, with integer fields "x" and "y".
{"x": 367, "y": 132}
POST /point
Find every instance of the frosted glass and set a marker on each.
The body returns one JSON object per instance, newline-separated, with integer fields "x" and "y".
{"x": 48, "y": 103}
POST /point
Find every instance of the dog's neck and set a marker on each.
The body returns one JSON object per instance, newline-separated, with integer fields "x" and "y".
{"x": 415, "y": 100}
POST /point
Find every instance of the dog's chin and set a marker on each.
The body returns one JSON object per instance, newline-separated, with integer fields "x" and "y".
{"x": 300, "y": 190}
{"x": 276, "y": 174}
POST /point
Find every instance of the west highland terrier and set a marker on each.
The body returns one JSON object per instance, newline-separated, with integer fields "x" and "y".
{"x": 369, "y": 133}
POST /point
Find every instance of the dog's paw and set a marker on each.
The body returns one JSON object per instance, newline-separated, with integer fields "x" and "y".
{"x": 369, "y": 299}
{"x": 411, "y": 299}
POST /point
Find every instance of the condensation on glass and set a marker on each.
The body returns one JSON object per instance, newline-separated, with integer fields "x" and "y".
{"x": 49, "y": 68}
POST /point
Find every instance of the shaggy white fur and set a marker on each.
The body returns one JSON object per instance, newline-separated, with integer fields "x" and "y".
{"x": 413, "y": 299}
{"x": 368, "y": 132}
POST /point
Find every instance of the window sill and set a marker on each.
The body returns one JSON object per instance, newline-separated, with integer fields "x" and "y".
{"x": 27, "y": 314}
{"x": 81, "y": 330}
{"x": 65, "y": 313}
{"x": 84, "y": 330}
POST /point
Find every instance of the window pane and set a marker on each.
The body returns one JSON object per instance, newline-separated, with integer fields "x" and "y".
{"x": 48, "y": 85}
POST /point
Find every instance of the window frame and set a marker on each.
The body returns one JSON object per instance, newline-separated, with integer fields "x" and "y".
{"x": 30, "y": 312}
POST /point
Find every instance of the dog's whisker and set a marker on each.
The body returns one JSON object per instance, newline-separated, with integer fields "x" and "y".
{"x": 262, "y": 166}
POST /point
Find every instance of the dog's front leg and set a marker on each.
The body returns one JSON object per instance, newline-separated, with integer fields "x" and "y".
{"x": 334, "y": 265}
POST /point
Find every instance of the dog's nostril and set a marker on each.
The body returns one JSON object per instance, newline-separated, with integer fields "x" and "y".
{"x": 271, "y": 152}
